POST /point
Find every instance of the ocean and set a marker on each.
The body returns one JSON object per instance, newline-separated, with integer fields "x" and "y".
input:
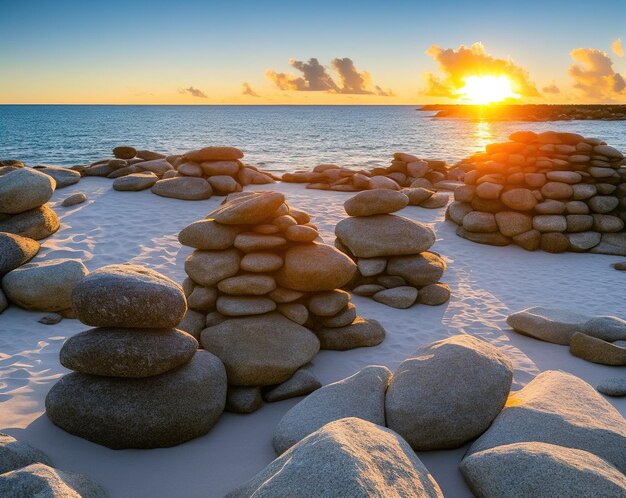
{"x": 278, "y": 138}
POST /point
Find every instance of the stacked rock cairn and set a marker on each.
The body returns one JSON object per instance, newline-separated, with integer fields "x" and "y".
{"x": 406, "y": 172}
{"x": 138, "y": 382}
{"x": 554, "y": 191}
{"x": 195, "y": 175}
{"x": 264, "y": 296}
{"x": 391, "y": 252}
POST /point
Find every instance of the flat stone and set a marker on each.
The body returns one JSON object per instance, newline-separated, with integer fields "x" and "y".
{"x": 193, "y": 323}
{"x": 249, "y": 209}
{"x": 328, "y": 303}
{"x": 550, "y": 206}
{"x": 243, "y": 306}
{"x": 64, "y": 177}
{"x": 214, "y": 153}
{"x": 607, "y": 328}
{"x": 417, "y": 195}
{"x": 261, "y": 262}
{"x": 75, "y": 199}
{"x": 379, "y": 201}
{"x": 554, "y": 242}
{"x": 479, "y": 222}
{"x": 360, "y": 333}
{"x": 548, "y": 324}
{"x": 367, "y": 289}
{"x": 157, "y": 166}
{"x": 611, "y": 243}
{"x": 492, "y": 239}
{"x": 124, "y": 152}
{"x": 294, "y": 311}
{"x": 50, "y": 319}
{"x": 342, "y": 319}
{"x": 511, "y": 223}
{"x": 220, "y": 168}
{"x": 301, "y": 383}
{"x": 249, "y": 284}
{"x": 186, "y": 188}
{"x": 207, "y": 268}
{"x": 530, "y": 240}
{"x": 208, "y": 235}
{"x": 434, "y": 294}
{"x": 253, "y": 242}
{"x": 202, "y": 298}
{"x": 613, "y": 386}
{"x": 16, "y": 454}
{"x": 15, "y": 251}
{"x": 580, "y": 242}
{"x": 135, "y": 182}
{"x": 397, "y": 297}
{"x": 519, "y": 199}
{"x": 24, "y": 189}
{"x": 550, "y": 223}
{"x": 418, "y": 270}
{"x": 36, "y": 224}
{"x": 457, "y": 211}
{"x": 596, "y": 350}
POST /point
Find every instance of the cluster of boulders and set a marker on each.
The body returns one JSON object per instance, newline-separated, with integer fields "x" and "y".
{"x": 418, "y": 178}
{"x": 138, "y": 382}
{"x": 599, "y": 339}
{"x": 554, "y": 191}
{"x": 264, "y": 296}
{"x": 555, "y": 435}
{"x": 26, "y": 471}
{"x": 394, "y": 265}
{"x": 194, "y": 175}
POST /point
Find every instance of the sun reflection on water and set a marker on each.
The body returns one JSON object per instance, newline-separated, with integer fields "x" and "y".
{"x": 482, "y": 134}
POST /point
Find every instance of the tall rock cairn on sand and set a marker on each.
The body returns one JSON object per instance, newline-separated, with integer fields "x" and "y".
{"x": 391, "y": 252}
{"x": 554, "y": 191}
{"x": 138, "y": 382}
{"x": 264, "y": 295}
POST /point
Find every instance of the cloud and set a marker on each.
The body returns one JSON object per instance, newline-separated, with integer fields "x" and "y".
{"x": 617, "y": 48}
{"x": 194, "y": 92}
{"x": 472, "y": 61}
{"x": 593, "y": 74}
{"x": 551, "y": 88}
{"x": 315, "y": 78}
{"x": 247, "y": 90}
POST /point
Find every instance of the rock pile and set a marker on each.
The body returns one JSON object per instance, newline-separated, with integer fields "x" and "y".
{"x": 418, "y": 178}
{"x": 264, "y": 296}
{"x": 554, "y": 191}
{"x": 391, "y": 252}
{"x": 138, "y": 382}
{"x": 24, "y": 193}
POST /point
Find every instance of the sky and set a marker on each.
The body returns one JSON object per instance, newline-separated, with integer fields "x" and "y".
{"x": 323, "y": 52}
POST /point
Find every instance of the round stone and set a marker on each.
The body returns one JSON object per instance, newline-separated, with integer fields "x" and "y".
{"x": 260, "y": 262}
{"x": 520, "y": 199}
{"x": 242, "y": 285}
{"x": 187, "y": 188}
{"x": 207, "y": 268}
{"x": 379, "y": 201}
{"x": 24, "y": 189}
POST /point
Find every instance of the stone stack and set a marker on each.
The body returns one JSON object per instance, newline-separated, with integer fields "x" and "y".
{"x": 138, "y": 382}
{"x": 406, "y": 172}
{"x": 264, "y": 296}
{"x": 24, "y": 193}
{"x": 391, "y": 252}
{"x": 554, "y": 191}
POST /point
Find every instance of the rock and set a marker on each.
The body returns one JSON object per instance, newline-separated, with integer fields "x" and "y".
{"x": 250, "y": 209}
{"x": 436, "y": 201}
{"x": 295, "y": 312}
{"x": 382, "y": 182}
{"x": 550, "y": 223}
{"x": 301, "y": 233}
{"x": 117, "y": 352}
{"x": 315, "y": 267}
{"x": 24, "y": 189}
{"x": 15, "y": 251}
{"x": 261, "y": 262}
{"x": 511, "y": 223}
{"x": 492, "y": 239}
{"x": 193, "y": 323}
{"x": 99, "y": 169}
{"x": 579, "y": 223}
{"x": 550, "y": 206}
{"x": 488, "y": 190}
{"x": 50, "y": 319}
{"x": 220, "y": 168}
{"x": 384, "y": 235}
{"x": 124, "y": 152}
{"x": 328, "y": 303}
{"x": 148, "y": 155}
{"x": 44, "y": 286}
{"x": 157, "y": 166}
{"x": 16, "y": 454}
{"x": 417, "y": 195}
{"x": 530, "y": 240}
{"x": 519, "y": 199}
{"x": 72, "y": 200}
{"x": 596, "y": 350}
{"x": 431, "y": 409}
{"x": 557, "y": 191}
{"x": 186, "y": 188}
{"x": 548, "y": 324}
{"x": 301, "y": 383}
{"x": 571, "y": 177}
{"x": 207, "y": 268}
{"x": 64, "y": 177}
{"x": 608, "y": 151}
{"x": 603, "y": 203}
{"x": 342, "y": 319}
{"x": 583, "y": 241}
{"x": 434, "y": 294}
{"x": 547, "y": 469}
{"x": 379, "y": 201}
{"x": 243, "y": 306}
{"x": 223, "y": 184}
{"x": 606, "y": 223}
{"x": 457, "y": 211}
{"x": 360, "y": 333}
{"x": 362, "y": 395}
{"x": 243, "y": 399}
{"x": 554, "y": 242}
{"x": 135, "y": 182}
{"x": 611, "y": 243}
{"x": 40, "y": 480}
{"x": 36, "y": 224}
{"x": 418, "y": 270}
{"x": 371, "y": 266}
{"x": 249, "y": 284}
{"x": 252, "y": 242}
{"x": 260, "y": 350}
{"x": 141, "y": 413}
{"x": 479, "y": 222}
{"x": 397, "y": 297}
{"x": 202, "y": 299}
{"x": 621, "y": 266}
{"x": 128, "y": 296}
{"x": 208, "y": 234}
{"x": 607, "y": 328}
{"x": 613, "y": 386}
{"x": 190, "y": 169}
{"x": 367, "y": 460}
{"x": 214, "y": 153}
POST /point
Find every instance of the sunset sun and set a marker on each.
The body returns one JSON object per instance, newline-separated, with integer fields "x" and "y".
{"x": 486, "y": 89}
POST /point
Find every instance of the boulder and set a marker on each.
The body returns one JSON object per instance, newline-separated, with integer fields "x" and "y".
{"x": 124, "y": 152}
{"x": 301, "y": 383}
{"x": 187, "y": 188}
{"x": 360, "y": 333}
{"x": 348, "y": 457}
{"x": 252, "y": 242}
{"x": 401, "y": 297}
{"x": 519, "y": 199}
{"x": 16, "y": 454}
{"x": 45, "y": 285}
{"x": 249, "y": 209}
{"x": 193, "y": 323}
{"x": 492, "y": 239}
{"x": 24, "y": 189}
{"x": 457, "y": 211}
{"x": 384, "y": 235}
{"x": 36, "y": 224}
{"x": 15, "y": 251}
{"x": 436, "y": 201}
{"x": 613, "y": 386}
{"x": 261, "y": 262}
{"x": 220, "y": 168}
{"x": 153, "y": 412}
{"x": 117, "y": 352}
{"x": 583, "y": 241}
{"x": 362, "y": 395}
{"x": 214, "y": 153}
{"x": 260, "y": 350}
{"x": 434, "y": 294}
{"x": 540, "y": 469}
{"x": 128, "y": 296}
{"x": 611, "y": 243}
{"x": 371, "y": 266}
{"x": 418, "y": 270}
{"x": 607, "y": 328}
{"x": 479, "y": 222}
{"x": 64, "y": 177}
{"x": 207, "y": 268}
{"x": 561, "y": 409}
{"x": 548, "y": 324}
{"x": 243, "y": 399}
{"x": 244, "y": 305}
{"x": 431, "y": 408}
{"x": 379, "y": 201}
{"x": 135, "y": 182}
{"x": 596, "y": 350}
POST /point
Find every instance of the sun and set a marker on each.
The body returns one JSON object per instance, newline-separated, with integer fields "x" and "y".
{"x": 486, "y": 89}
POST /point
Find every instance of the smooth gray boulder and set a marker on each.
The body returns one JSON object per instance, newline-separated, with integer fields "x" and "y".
{"x": 379, "y": 201}
{"x": 208, "y": 234}
{"x": 250, "y": 208}
{"x": 16, "y": 454}
{"x": 348, "y": 457}
{"x": 522, "y": 470}
{"x": 36, "y": 224}
{"x": 362, "y": 395}
{"x": 418, "y": 269}
{"x": 135, "y": 182}
{"x": 186, "y": 188}
{"x": 613, "y": 386}
{"x": 64, "y": 177}
{"x": 448, "y": 392}
{"x": 152, "y": 412}
{"x": 562, "y": 409}
{"x": 24, "y": 189}
{"x": 301, "y": 383}
{"x": 362, "y": 332}
{"x": 118, "y": 352}
{"x": 128, "y": 296}
{"x": 243, "y": 399}
{"x": 15, "y": 251}
{"x": 607, "y": 328}
{"x": 548, "y": 324}
{"x": 73, "y": 200}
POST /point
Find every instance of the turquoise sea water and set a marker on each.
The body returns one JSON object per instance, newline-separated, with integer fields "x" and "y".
{"x": 279, "y": 138}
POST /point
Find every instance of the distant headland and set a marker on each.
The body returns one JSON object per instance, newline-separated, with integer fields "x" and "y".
{"x": 529, "y": 112}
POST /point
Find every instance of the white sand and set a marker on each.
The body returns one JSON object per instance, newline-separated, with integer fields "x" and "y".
{"x": 488, "y": 283}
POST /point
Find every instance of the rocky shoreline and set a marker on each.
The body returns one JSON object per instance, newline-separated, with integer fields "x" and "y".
{"x": 529, "y": 112}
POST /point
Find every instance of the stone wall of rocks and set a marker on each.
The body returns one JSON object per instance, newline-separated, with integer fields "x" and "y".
{"x": 137, "y": 382}
{"x": 554, "y": 191}
{"x": 391, "y": 252}
{"x": 417, "y": 178}
{"x": 264, "y": 296}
